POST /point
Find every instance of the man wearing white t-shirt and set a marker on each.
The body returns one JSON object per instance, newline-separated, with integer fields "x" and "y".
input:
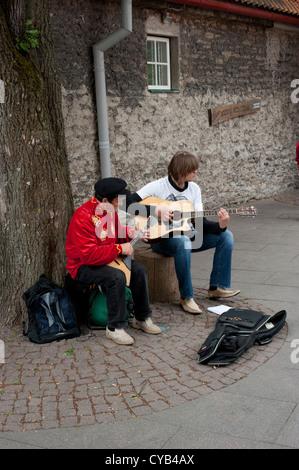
{"x": 179, "y": 186}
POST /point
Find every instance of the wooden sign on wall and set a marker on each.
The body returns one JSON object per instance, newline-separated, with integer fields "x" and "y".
{"x": 223, "y": 113}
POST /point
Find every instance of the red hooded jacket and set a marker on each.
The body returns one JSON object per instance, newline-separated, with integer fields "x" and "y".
{"x": 94, "y": 237}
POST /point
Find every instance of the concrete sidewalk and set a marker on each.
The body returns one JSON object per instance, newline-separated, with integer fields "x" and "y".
{"x": 90, "y": 393}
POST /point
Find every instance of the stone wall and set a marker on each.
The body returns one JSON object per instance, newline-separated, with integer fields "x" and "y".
{"x": 223, "y": 59}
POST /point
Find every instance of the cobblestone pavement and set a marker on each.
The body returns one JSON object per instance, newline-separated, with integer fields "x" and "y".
{"x": 90, "y": 379}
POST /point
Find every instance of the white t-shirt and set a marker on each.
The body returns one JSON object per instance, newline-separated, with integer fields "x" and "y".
{"x": 163, "y": 189}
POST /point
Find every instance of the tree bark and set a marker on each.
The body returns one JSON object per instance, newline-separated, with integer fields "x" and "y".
{"x": 35, "y": 197}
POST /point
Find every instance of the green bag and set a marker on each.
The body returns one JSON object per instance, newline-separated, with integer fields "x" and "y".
{"x": 98, "y": 307}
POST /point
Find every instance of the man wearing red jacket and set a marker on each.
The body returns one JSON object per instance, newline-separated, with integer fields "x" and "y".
{"x": 95, "y": 238}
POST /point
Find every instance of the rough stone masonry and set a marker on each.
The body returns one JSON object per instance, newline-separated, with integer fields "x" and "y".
{"x": 223, "y": 59}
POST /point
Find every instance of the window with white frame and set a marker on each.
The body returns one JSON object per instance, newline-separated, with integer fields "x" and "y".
{"x": 158, "y": 63}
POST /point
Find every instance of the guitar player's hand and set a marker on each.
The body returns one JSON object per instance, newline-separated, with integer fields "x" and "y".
{"x": 223, "y": 217}
{"x": 145, "y": 236}
{"x": 163, "y": 212}
{"x": 127, "y": 249}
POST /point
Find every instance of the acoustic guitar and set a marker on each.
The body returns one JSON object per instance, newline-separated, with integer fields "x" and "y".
{"x": 124, "y": 262}
{"x": 183, "y": 213}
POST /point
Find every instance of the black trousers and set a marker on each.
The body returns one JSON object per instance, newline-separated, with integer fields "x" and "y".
{"x": 113, "y": 284}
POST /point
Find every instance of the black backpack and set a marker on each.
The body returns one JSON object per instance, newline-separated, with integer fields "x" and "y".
{"x": 51, "y": 314}
{"x": 235, "y": 331}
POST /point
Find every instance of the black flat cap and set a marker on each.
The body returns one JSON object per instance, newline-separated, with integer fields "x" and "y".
{"x": 110, "y": 188}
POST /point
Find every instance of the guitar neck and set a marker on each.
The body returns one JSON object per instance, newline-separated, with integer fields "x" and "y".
{"x": 186, "y": 209}
{"x": 209, "y": 213}
{"x": 135, "y": 239}
{"x": 139, "y": 235}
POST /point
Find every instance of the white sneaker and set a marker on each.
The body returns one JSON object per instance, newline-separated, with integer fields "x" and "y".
{"x": 190, "y": 306}
{"x": 147, "y": 325}
{"x": 119, "y": 336}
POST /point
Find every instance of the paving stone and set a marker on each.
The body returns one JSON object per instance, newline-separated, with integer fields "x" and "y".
{"x": 90, "y": 379}
{"x": 107, "y": 382}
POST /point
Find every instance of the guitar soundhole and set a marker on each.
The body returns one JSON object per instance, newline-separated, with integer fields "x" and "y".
{"x": 176, "y": 216}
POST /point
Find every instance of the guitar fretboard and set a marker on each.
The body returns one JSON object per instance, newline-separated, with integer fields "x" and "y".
{"x": 215, "y": 212}
{"x": 207, "y": 213}
{"x": 135, "y": 239}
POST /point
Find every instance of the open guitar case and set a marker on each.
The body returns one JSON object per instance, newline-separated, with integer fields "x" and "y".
{"x": 235, "y": 331}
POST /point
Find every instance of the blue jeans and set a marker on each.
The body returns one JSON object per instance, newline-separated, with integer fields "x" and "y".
{"x": 181, "y": 249}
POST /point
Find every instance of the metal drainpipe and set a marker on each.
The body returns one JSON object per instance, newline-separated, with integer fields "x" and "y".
{"x": 241, "y": 10}
{"x": 100, "y": 83}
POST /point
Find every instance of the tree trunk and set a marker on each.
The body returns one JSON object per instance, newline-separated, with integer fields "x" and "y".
{"x": 35, "y": 197}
